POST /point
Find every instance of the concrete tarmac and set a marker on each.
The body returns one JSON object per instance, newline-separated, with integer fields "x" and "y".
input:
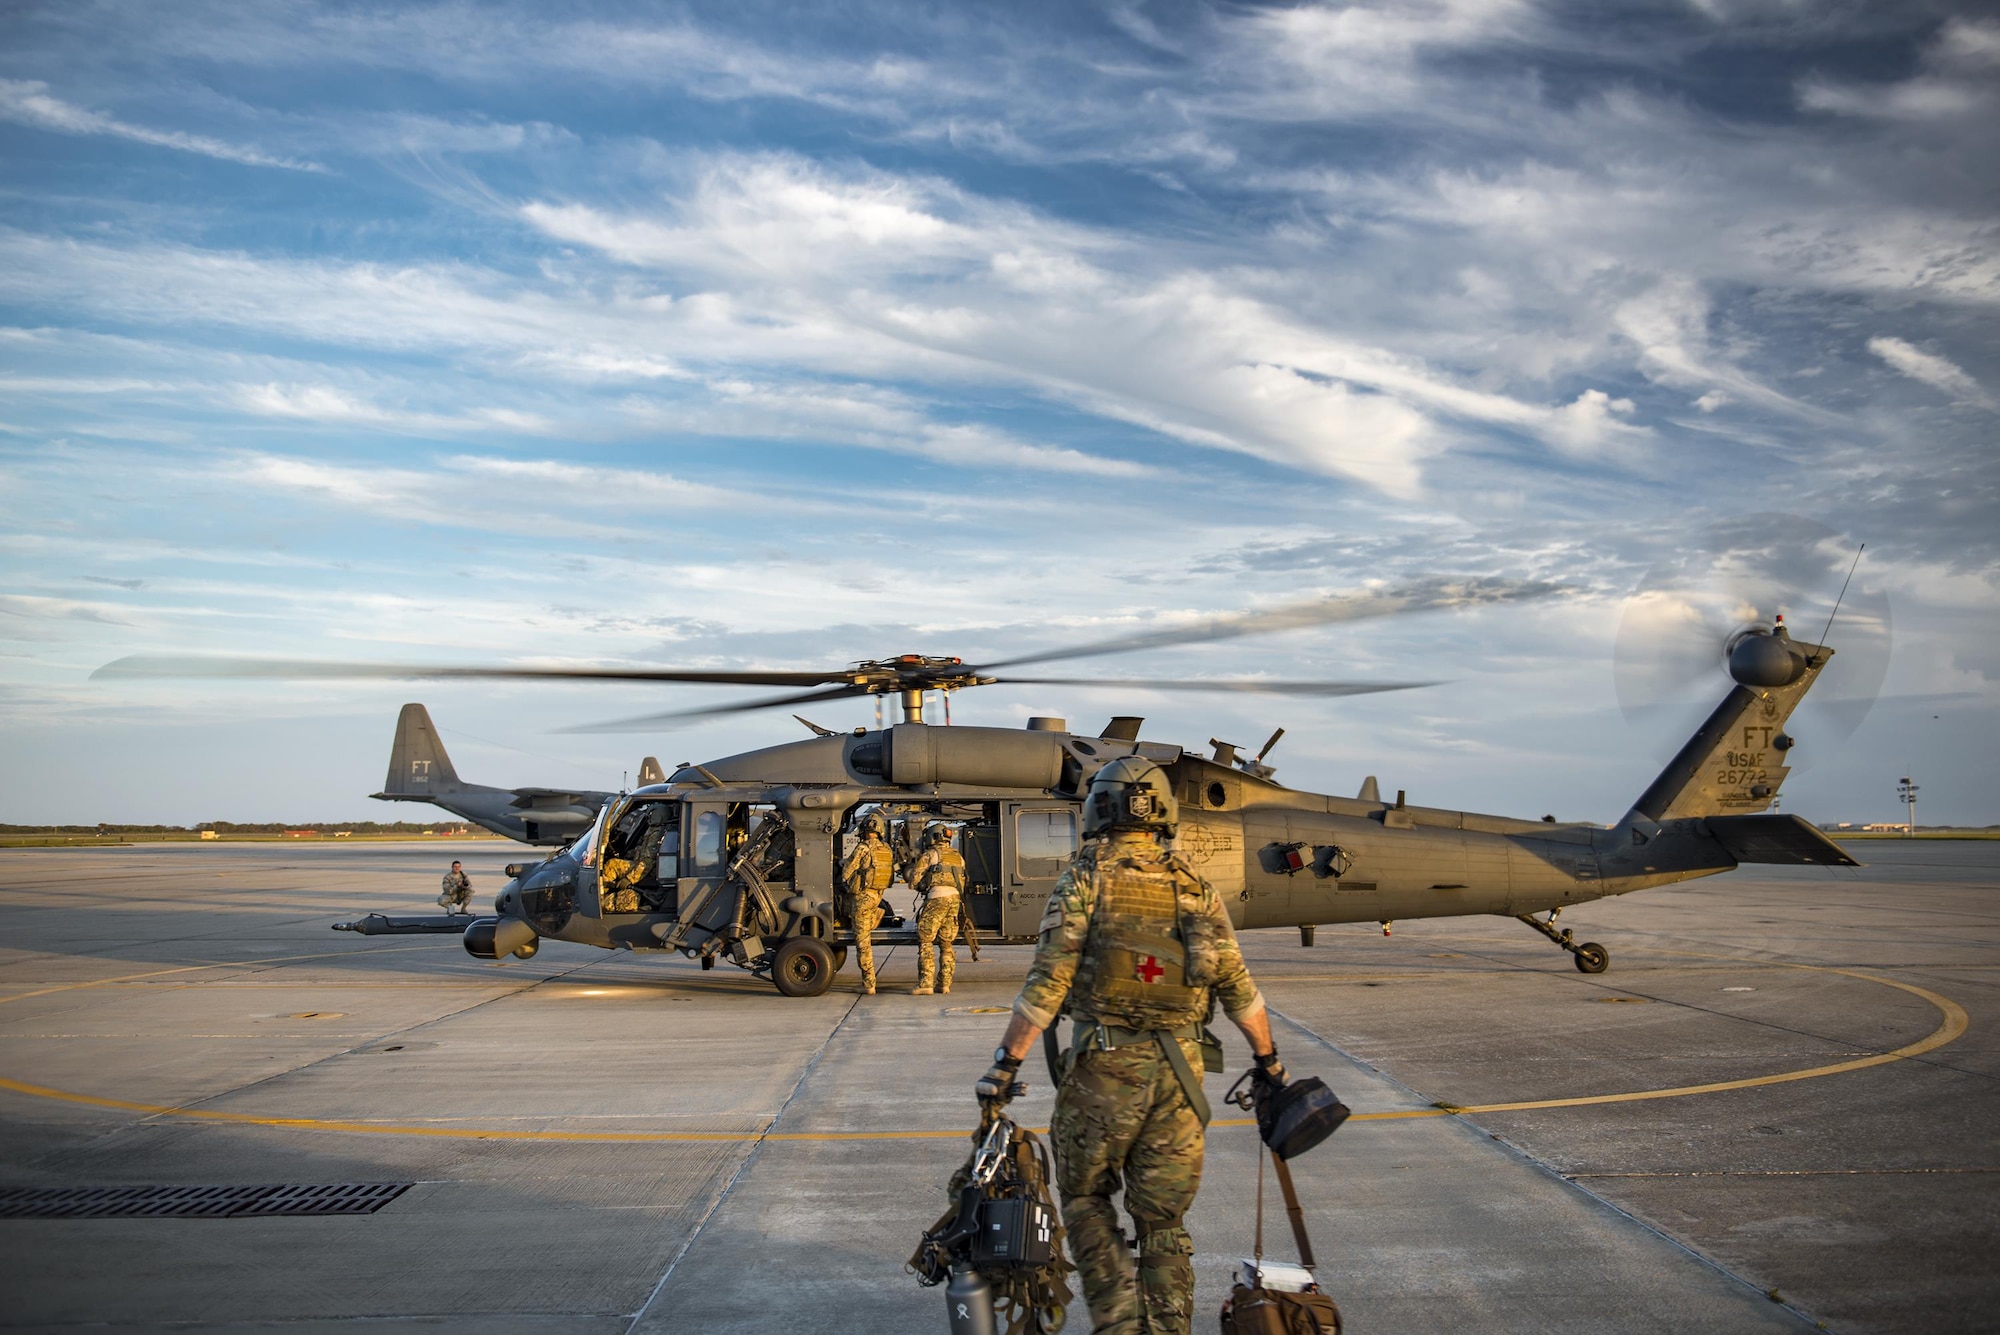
{"x": 620, "y": 1143}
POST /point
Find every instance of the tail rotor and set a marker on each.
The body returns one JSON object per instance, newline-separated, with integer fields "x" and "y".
{"x": 1723, "y": 610}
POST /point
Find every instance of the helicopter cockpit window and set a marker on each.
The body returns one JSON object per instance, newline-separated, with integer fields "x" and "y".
{"x": 709, "y": 828}
{"x": 1043, "y": 841}
{"x": 584, "y": 847}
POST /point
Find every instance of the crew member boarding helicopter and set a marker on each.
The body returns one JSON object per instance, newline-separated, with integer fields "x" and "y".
{"x": 736, "y": 859}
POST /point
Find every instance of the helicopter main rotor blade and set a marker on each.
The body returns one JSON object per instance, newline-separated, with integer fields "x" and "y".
{"x": 294, "y": 669}
{"x": 1253, "y": 684}
{"x": 741, "y": 707}
{"x": 1424, "y": 596}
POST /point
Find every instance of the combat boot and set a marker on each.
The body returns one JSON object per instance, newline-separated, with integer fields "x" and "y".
{"x": 921, "y": 990}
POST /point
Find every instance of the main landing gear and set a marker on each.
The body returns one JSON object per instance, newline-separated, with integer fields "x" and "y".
{"x": 1590, "y": 957}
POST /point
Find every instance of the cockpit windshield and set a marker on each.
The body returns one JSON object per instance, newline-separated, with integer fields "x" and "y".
{"x": 584, "y": 850}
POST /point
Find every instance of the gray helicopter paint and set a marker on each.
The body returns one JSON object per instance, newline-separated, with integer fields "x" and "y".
{"x": 421, "y": 771}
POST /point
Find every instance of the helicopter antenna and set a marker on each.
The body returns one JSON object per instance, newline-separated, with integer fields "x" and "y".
{"x": 1273, "y": 742}
{"x": 1843, "y": 593}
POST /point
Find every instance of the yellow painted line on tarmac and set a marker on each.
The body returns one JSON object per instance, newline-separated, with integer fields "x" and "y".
{"x": 194, "y": 968}
{"x": 1955, "y": 1023}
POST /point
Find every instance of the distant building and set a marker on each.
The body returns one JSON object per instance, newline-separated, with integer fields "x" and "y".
{"x": 210, "y": 834}
{"x": 1886, "y": 827}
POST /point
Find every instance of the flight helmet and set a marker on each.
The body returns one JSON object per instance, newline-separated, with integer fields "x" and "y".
{"x": 1131, "y": 793}
{"x": 938, "y": 834}
{"x": 872, "y": 824}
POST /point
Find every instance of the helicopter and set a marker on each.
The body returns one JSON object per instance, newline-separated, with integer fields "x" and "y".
{"x": 734, "y": 859}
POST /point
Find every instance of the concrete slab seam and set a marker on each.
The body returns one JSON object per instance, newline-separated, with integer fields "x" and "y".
{"x": 743, "y": 1165}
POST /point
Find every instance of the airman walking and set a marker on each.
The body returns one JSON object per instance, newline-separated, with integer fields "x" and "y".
{"x": 938, "y": 877}
{"x": 1133, "y": 945}
{"x": 456, "y": 894}
{"x": 865, "y": 874}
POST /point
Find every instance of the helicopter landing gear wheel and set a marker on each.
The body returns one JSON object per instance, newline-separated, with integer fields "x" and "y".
{"x": 803, "y": 967}
{"x": 839, "y": 958}
{"x": 1588, "y": 957}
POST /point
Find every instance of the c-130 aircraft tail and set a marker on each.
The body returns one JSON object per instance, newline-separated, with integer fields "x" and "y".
{"x": 421, "y": 771}
{"x": 418, "y": 766}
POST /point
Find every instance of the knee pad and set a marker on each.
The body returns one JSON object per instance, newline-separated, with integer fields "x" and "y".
{"x": 1172, "y": 1240}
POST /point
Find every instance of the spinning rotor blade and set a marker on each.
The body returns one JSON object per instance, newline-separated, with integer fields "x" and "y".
{"x": 1686, "y": 615}
{"x": 1254, "y": 684}
{"x": 295, "y": 669}
{"x": 1424, "y": 596}
{"x": 675, "y": 716}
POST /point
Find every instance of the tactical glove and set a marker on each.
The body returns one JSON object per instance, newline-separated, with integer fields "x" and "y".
{"x": 997, "y": 1085}
{"x": 1270, "y": 1070}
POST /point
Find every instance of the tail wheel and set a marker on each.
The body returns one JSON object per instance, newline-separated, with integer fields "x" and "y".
{"x": 803, "y": 967}
{"x": 1592, "y": 958}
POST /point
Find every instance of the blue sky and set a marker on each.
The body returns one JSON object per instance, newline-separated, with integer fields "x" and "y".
{"x": 781, "y": 337}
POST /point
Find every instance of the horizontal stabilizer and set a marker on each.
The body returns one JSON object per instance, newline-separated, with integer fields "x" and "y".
{"x": 1781, "y": 840}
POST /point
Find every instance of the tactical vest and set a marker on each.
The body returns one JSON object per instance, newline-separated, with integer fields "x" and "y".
{"x": 870, "y": 868}
{"x": 944, "y": 874}
{"x": 1137, "y": 970}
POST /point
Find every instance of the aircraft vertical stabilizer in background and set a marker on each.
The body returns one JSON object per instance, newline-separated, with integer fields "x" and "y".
{"x": 420, "y": 771}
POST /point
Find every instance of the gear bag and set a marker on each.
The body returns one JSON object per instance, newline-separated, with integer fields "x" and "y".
{"x": 1279, "y": 1299}
{"x": 1283, "y": 1299}
{"x": 1005, "y": 1227}
{"x": 1298, "y": 1116}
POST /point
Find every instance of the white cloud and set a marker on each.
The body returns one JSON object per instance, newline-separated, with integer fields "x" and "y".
{"x": 324, "y": 403}
{"x": 498, "y": 495}
{"x": 29, "y": 102}
{"x": 1937, "y": 372}
{"x": 1590, "y": 424}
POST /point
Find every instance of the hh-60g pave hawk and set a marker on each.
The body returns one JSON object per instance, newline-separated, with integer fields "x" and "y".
{"x": 737, "y": 858}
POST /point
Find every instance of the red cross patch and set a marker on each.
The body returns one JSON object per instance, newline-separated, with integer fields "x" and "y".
{"x": 1150, "y": 970}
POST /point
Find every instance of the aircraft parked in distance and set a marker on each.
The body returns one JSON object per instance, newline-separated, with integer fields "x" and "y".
{"x": 420, "y": 771}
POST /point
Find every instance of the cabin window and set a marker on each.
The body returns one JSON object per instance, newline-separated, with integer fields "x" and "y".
{"x": 709, "y": 827}
{"x": 1043, "y": 841}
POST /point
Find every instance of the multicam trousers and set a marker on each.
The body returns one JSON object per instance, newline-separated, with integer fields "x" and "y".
{"x": 937, "y": 926}
{"x": 867, "y": 917}
{"x": 1121, "y": 1117}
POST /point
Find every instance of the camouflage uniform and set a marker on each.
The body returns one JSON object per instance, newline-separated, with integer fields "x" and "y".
{"x": 457, "y": 891}
{"x": 1133, "y": 945}
{"x": 866, "y": 874}
{"x": 940, "y": 876}
{"x": 618, "y": 885}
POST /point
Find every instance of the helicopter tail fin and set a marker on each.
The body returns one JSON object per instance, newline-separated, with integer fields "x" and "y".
{"x": 650, "y": 772}
{"x": 1735, "y": 763}
{"x": 418, "y": 765}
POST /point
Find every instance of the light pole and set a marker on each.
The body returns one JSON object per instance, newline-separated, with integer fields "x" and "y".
{"x": 1908, "y": 792}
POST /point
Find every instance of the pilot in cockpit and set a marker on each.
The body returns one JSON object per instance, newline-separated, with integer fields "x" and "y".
{"x": 632, "y": 857}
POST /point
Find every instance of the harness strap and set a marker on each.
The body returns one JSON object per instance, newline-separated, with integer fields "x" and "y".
{"x": 1190, "y": 1082}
